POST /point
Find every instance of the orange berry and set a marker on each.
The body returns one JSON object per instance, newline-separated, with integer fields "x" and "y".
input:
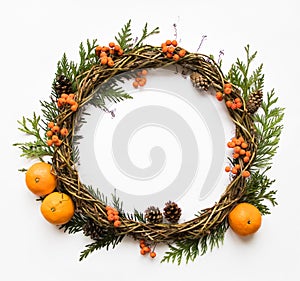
{"x": 238, "y": 142}
{"x": 58, "y": 142}
{"x": 245, "y": 174}
{"x": 110, "y": 212}
{"x": 242, "y": 152}
{"x": 98, "y": 50}
{"x": 111, "y": 51}
{"x": 117, "y": 223}
{"x": 111, "y": 63}
{"x": 55, "y": 138}
{"x": 239, "y": 104}
{"x": 233, "y": 106}
{"x": 116, "y": 218}
{"x": 169, "y": 55}
{"x": 237, "y": 149}
{"x": 111, "y": 44}
{"x": 118, "y": 48}
{"x": 229, "y": 103}
{"x": 152, "y": 255}
{"x": 244, "y": 145}
{"x": 235, "y": 155}
{"x": 246, "y": 159}
{"x": 164, "y": 49}
{"x": 142, "y": 241}
{"x": 142, "y": 245}
{"x": 171, "y": 49}
{"x": 50, "y": 125}
{"x": 103, "y": 54}
{"x": 71, "y": 101}
{"x": 104, "y": 60}
{"x": 234, "y": 170}
{"x": 64, "y": 131}
{"x": 71, "y": 96}
{"x": 227, "y": 85}
{"x": 237, "y": 166}
{"x": 49, "y": 134}
{"x": 49, "y": 142}
{"x": 120, "y": 53}
{"x": 168, "y": 42}
{"x": 219, "y": 96}
{"x": 64, "y": 96}
{"x": 147, "y": 249}
{"x": 144, "y": 72}
{"x": 231, "y": 144}
{"x": 248, "y": 153}
{"x": 74, "y": 107}
{"x": 135, "y": 84}
{"x": 227, "y": 91}
{"x": 237, "y": 100}
{"x": 174, "y": 43}
{"x": 110, "y": 217}
{"x": 227, "y": 169}
{"x": 142, "y": 252}
{"x": 55, "y": 129}
{"x": 176, "y": 57}
{"x": 142, "y": 82}
{"x": 182, "y": 53}
{"x": 163, "y": 45}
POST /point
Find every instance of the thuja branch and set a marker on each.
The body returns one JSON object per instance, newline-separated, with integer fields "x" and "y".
{"x": 37, "y": 148}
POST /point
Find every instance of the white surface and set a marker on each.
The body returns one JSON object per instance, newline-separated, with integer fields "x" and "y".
{"x": 34, "y": 35}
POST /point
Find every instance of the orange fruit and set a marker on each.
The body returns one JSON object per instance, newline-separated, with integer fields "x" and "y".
{"x": 57, "y": 208}
{"x": 40, "y": 180}
{"x": 245, "y": 219}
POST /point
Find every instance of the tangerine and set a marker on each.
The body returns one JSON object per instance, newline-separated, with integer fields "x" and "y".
{"x": 245, "y": 219}
{"x": 40, "y": 180}
{"x": 57, "y": 208}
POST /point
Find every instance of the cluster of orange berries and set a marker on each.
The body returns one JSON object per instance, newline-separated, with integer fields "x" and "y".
{"x": 67, "y": 99}
{"x": 169, "y": 48}
{"x": 227, "y": 91}
{"x": 239, "y": 146}
{"x": 53, "y": 134}
{"x": 234, "y": 104}
{"x": 113, "y": 216}
{"x": 106, "y": 53}
{"x": 145, "y": 249}
{"x": 140, "y": 80}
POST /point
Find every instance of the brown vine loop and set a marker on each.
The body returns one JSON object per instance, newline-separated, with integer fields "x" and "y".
{"x": 208, "y": 219}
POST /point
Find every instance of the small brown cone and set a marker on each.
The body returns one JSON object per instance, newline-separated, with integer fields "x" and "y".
{"x": 153, "y": 215}
{"x": 199, "y": 81}
{"x": 172, "y": 212}
{"x": 254, "y": 101}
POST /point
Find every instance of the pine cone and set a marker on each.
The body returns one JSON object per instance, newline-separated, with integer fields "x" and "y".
{"x": 153, "y": 215}
{"x": 93, "y": 230}
{"x": 199, "y": 81}
{"x": 172, "y": 212}
{"x": 62, "y": 85}
{"x": 254, "y": 101}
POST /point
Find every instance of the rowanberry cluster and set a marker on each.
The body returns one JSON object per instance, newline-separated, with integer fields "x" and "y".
{"x": 107, "y": 53}
{"x": 113, "y": 216}
{"x": 227, "y": 91}
{"x": 67, "y": 100}
{"x": 145, "y": 249}
{"x": 239, "y": 146}
{"x": 54, "y": 133}
{"x": 169, "y": 48}
{"x": 140, "y": 80}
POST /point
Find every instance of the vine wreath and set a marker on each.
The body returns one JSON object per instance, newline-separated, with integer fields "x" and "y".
{"x": 257, "y": 127}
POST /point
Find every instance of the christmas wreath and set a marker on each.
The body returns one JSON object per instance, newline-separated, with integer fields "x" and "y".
{"x": 75, "y": 207}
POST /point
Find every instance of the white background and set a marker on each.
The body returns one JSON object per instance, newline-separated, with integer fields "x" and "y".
{"x": 34, "y": 35}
